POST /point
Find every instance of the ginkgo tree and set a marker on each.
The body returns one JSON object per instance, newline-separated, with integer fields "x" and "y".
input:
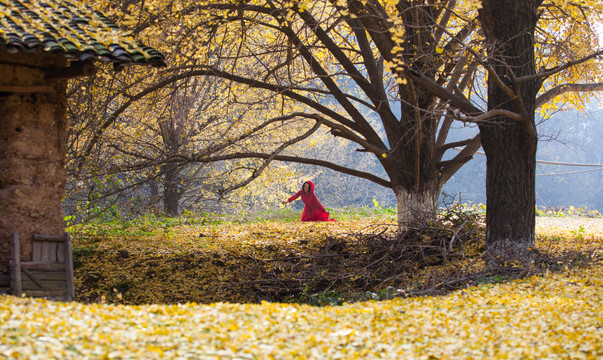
{"x": 510, "y": 138}
{"x": 390, "y": 76}
{"x": 338, "y": 63}
{"x": 135, "y": 132}
{"x": 138, "y": 130}
{"x": 148, "y": 146}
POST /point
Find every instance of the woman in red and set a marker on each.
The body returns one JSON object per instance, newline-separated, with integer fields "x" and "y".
{"x": 313, "y": 209}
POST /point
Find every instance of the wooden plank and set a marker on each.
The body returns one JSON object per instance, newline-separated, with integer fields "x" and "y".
{"x": 52, "y": 252}
{"x": 48, "y": 285}
{"x": 45, "y": 255}
{"x": 32, "y": 277}
{"x": 50, "y": 238}
{"x": 69, "y": 268}
{"x": 40, "y": 266}
{"x": 36, "y": 251}
{"x": 49, "y": 275}
{"x": 15, "y": 264}
{"x": 61, "y": 252}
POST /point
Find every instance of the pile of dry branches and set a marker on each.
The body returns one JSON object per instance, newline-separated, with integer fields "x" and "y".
{"x": 380, "y": 259}
{"x": 433, "y": 258}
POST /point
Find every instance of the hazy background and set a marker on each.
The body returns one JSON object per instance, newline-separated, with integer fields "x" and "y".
{"x": 569, "y": 136}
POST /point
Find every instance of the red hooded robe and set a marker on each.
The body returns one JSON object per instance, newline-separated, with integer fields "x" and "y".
{"x": 313, "y": 209}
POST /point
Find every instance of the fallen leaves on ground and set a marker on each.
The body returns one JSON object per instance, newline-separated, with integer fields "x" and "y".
{"x": 283, "y": 261}
{"x": 197, "y": 263}
{"x": 555, "y": 315}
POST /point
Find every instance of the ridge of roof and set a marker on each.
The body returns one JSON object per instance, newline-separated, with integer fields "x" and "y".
{"x": 71, "y": 28}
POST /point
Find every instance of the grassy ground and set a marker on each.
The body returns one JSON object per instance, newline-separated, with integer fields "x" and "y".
{"x": 551, "y": 313}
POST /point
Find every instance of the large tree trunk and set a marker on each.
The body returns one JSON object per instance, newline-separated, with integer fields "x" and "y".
{"x": 413, "y": 172}
{"x": 412, "y": 163}
{"x": 412, "y": 169}
{"x": 510, "y": 144}
{"x": 510, "y": 190}
{"x": 416, "y": 206}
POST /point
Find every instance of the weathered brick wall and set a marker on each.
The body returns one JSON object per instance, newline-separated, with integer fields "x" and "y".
{"x": 32, "y": 151}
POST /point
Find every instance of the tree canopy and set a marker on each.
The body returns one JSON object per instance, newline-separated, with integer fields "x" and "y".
{"x": 389, "y": 76}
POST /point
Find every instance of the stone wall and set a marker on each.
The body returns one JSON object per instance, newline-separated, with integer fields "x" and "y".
{"x": 32, "y": 150}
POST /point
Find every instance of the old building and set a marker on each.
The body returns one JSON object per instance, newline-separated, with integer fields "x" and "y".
{"x": 43, "y": 43}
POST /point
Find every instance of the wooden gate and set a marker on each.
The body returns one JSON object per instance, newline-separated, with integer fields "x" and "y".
{"x": 50, "y": 272}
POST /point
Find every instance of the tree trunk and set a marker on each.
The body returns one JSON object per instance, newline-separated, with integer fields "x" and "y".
{"x": 171, "y": 192}
{"x": 510, "y": 144}
{"x": 412, "y": 169}
{"x": 416, "y": 206}
{"x": 510, "y": 190}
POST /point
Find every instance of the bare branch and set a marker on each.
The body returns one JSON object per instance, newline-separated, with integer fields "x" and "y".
{"x": 375, "y": 94}
{"x": 257, "y": 172}
{"x": 458, "y": 101}
{"x": 113, "y": 117}
{"x": 317, "y": 162}
{"x": 491, "y": 72}
{"x": 489, "y": 115}
{"x": 442, "y": 149}
{"x": 566, "y": 88}
{"x": 543, "y": 74}
{"x": 443, "y": 23}
{"x": 222, "y": 74}
{"x": 452, "y": 166}
{"x": 360, "y": 123}
{"x": 350, "y": 135}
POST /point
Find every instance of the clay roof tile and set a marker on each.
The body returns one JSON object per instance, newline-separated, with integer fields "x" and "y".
{"x": 71, "y": 28}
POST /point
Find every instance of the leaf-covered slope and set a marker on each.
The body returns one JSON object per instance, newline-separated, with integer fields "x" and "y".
{"x": 551, "y": 316}
{"x": 190, "y": 263}
{"x": 311, "y": 262}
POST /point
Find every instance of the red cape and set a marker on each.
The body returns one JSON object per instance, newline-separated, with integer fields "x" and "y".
{"x": 313, "y": 209}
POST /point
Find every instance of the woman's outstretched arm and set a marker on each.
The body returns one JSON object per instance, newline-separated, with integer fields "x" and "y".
{"x": 297, "y": 194}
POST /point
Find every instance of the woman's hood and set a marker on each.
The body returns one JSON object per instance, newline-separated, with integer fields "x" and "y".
{"x": 311, "y": 186}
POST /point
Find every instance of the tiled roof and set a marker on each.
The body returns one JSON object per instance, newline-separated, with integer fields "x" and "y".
{"x": 71, "y": 28}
